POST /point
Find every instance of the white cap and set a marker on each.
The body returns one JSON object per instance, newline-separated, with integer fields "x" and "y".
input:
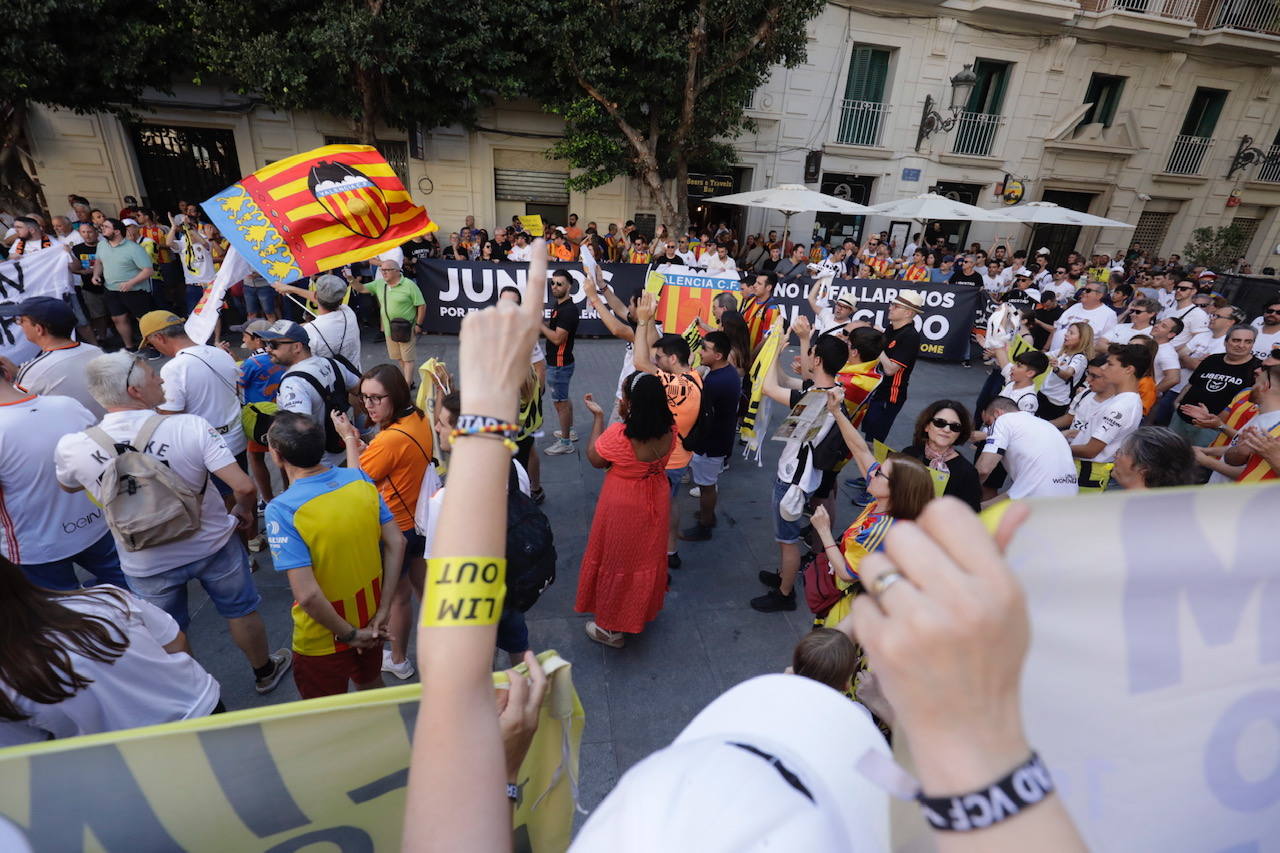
{"x": 772, "y": 764}
{"x": 129, "y": 221}
{"x": 1034, "y": 293}
{"x": 1043, "y": 250}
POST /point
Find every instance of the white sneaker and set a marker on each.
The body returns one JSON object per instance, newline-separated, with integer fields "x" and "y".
{"x": 402, "y": 670}
{"x": 560, "y": 448}
{"x": 573, "y": 434}
{"x": 695, "y": 492}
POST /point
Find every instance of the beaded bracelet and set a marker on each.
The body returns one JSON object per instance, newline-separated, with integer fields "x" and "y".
{"x": 500, "y": 431}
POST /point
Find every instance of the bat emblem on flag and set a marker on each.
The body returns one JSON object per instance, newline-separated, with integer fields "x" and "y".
{"x": 350, "y": 197}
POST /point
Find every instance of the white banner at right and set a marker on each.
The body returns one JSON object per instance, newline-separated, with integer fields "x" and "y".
{"x": 1152, "y": 689}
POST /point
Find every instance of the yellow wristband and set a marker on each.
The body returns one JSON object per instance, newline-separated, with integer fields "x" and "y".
{"x": 464, "y": 591}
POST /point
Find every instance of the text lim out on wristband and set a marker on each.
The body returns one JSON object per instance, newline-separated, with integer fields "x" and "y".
{"x": 464, "y": 591}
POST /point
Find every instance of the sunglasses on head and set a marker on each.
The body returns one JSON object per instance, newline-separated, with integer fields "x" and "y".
{"x": 942, "y": 423}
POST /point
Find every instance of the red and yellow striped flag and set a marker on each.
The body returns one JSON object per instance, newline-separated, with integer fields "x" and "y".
{"x": 316, "y": 211}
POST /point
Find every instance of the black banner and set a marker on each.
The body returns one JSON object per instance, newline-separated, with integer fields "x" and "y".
{"x": 454, "y": 288}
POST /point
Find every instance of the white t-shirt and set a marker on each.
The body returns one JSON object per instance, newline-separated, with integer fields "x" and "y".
{"x": 1166, "y": 359}
{"x": 1124, "y": 333}
{"x": 437, "y": 502}
{"x": 62, "y": 372}
{"x": 1065, "y": 291}
{"x": 196, "y": 260}
{"x": 1194, "y": 321}
{"x": 629, "y": 362}
{"x": 1036, "y": 456}
{"x": 1101, "y": 319}
{"x": 1026, "y": 398}
{"x": 145, "y": 686}
{"x": 826, "y": 320}
{"x": 1201, "y": 345}
{"x": 297, "y": 395}
{"x": 201, "y": 380}
{"x": 713, "y": 263}
{"x": 1057, "y": 389}
{"x": 39, "y": 522}
{"x": 188, "y": 445}
{"x": 1112, "y": 420}
{"x": 338, "y": 329}
{"x": 520, "y": 254}
{"x": 993, "y": 284}
{"x": 789, "y": 459}
{"x": 1264, "y": 342}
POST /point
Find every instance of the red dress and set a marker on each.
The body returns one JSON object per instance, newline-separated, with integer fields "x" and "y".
{"x": 623, "y": 577}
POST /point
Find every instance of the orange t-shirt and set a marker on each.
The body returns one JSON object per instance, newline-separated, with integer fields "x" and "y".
{"x": 396, "y": 464}
{"x": 1147, "y": 391}
{"x": 684, "y": 398}
{"x": 562, "y": 253}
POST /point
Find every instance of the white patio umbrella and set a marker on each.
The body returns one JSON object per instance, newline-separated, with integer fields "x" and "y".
{"x": 929, "y": 206}
{"x": 1048, "y": 213}
{"x": 792, "y": 199}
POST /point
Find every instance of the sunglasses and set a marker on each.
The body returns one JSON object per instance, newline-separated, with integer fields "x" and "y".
{"x": 1181, "y": 287}
{"x": 1223, "y": 317}
{"x": 129, "y": 376}
{"x": 275, "y": 344}
{"x": 1269, "y": 311}
{"x": 942, "y": 423}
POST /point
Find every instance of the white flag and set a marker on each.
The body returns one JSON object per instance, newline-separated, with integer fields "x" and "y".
{"x": 200, "y": 324}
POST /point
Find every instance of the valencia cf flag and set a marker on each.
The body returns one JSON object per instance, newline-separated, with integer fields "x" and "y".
{"x": 315, "y": 211}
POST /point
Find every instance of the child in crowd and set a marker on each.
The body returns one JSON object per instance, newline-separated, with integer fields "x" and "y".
{"x": 1020, "y": 377}
{"x": 259, "y": 383}
{"x": 827, "y": 656}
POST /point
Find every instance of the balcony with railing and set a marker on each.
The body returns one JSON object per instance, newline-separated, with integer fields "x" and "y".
{"x": 862, "y": 123}
{"x": 1251, "y": 16}
{"x": 1270, "y": 171}
{"x": 1188, "y": 155}
{"x": 975, "y": 133}
{"x": 1145, "y": 18}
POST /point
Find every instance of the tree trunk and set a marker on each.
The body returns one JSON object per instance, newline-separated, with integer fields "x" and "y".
{"x": 19, "y": 192}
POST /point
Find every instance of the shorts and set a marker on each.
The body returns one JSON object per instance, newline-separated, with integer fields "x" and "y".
{"x": 242, "y": 460}
{"x": 558, "y": 382}
{"x": 406, "y": 351}
{"x": 706, "y": 469}
{"x": 825, "y": 486}
{"x": 124, "y": 303}
{"x": 259, "y": 300}
{"x": 785, "y": 532}
{"x": 224, "y": 574}
{"x": 327, "y": 675}
{"x": 674, "y": 476}
{"x": 95, "y": 304}
{"x": 415, "y": 545}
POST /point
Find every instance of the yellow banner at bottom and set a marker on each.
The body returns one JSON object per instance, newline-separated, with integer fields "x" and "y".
{"x": 317, "y": 774}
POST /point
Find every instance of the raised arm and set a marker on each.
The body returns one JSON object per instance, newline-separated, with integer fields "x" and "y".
{"x": 456, "y": 798}
{"x": 595, "y": 292}
{"x": 645, "y": 312}
{"x": 853, "y": 439}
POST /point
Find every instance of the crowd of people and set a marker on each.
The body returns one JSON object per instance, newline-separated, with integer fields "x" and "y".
{"x": 1103, "y": 374}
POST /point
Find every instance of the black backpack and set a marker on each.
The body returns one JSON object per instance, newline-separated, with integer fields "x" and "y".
{"x": 699, "y": 435}
{"x": 334, "y": 399}
{"x": 531, "y": 549}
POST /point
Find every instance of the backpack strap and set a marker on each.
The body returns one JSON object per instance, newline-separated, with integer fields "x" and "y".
{"x": 414, "y": 440}
{"x": 99, "y": 435}
{"x": 148, "y": 429}
{"x": 312, "y": 381}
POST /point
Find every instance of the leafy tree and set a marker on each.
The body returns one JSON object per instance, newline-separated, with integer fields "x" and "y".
{"x": 649, "y": 88}
{"x": 395, "y": 62}
{"x": 83, "y": 55}
{"x": 1216, "y": 248}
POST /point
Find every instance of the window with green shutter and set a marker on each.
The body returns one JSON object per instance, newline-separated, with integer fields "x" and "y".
{"x": 988, "y": 94}
{"x": 868, "y": 71}
{"x": 1204, "y": 112}
{"x": 1103, "y": 96}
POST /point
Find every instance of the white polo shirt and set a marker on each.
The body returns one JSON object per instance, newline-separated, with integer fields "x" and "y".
{"x": 39, "y": 522}
{"x": 63, "y": 372}
{"x": 203, "y": 380}
{"x": 191, "y": 447}
{"x": 1124, "y": 333}
{"x": 1036, "y": 455}
{"x": 1194, "y": 321}
{"x": 1101, "y": 319}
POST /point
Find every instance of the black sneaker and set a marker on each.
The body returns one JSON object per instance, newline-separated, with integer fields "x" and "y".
{"x": 673, "y": 561}
{"x": 773, "y": 580}
{"x": 697, "y": 533}
{"x": 774, "y": 601}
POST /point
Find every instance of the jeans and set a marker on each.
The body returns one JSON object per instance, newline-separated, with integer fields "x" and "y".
{"x": 225, "y": 576}
{"x": 194, "y": 292}
{"x": 1162, "y": 413}
{"x": 513, "y": 633}
{"x": 100, "y": 559}
{"x": 1197, "y": 436}
{"x": 259, "y": 300}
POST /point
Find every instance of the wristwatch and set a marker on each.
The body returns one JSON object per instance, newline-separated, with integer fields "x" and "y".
{"x": 348, "y": 637}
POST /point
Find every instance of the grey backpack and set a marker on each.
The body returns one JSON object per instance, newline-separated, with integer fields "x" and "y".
{"x": 146, "y": 503}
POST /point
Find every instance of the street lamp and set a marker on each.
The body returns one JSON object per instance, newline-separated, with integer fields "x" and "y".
{"x": 1248, "y": 154}
{"x": 931, "y": 121}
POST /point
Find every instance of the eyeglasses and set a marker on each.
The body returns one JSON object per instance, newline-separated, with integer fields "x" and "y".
{"x": 128, "y": 377}
{"x": 374, "y": 398}
{"x": 942, "y": 423}
{"x": 877, "y": 470}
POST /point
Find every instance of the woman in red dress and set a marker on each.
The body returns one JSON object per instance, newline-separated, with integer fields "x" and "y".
{"x": 623, "y": 577}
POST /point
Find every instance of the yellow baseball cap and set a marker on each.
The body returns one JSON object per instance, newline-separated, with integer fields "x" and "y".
{"x": 154, "y": 321}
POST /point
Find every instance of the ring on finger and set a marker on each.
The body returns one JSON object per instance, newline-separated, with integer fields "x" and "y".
{"x": 883, "y": 581}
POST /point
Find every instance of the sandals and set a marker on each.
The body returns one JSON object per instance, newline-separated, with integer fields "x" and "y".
{"x": 612, "y": 639}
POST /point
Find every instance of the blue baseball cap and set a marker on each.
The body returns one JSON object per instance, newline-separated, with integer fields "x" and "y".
{"x": 45, "y": 310}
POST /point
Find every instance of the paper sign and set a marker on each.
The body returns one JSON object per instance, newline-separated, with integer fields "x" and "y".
{"x": 533, "y": 224}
